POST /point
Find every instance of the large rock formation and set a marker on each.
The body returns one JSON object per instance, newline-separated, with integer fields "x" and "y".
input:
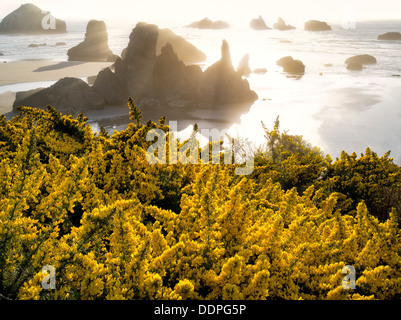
{"x": 291, "y": 66}
{"x": 355, "y": 66}
{"x": 173, "y": 80}
{"x": 222, "y": 85}
{"x": 135, "y": 71}
{"x": 206, "y": 23}
{"x": 259, "y": 24}
{"x": 185, "y": 50}
{"x": 390, "y": 36}
{"x": 151, "y": 80}
{"x": 315, "y": 25}
{"x": 29, "y": 19}
{"x": 95, "y": 47}
{"x": 282, "y": 26}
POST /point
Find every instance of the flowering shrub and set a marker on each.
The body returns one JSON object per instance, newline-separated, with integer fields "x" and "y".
{"x": 115, "y": 227}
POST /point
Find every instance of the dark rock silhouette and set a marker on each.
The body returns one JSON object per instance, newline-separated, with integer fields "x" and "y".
{"x": 259, "y": 24}
{"x": 390, "y": 36}
{"x": 1, "y": 54}
{"x": 260, "y": 70}
{"x": 152, "y": 81}
{"x": 69, "y": 95}
{"x": 206, "y": 23}
{"x": 243, "y": 68}
{"x": 185, "y": 50}
{"x": 34, "y": 45}
{"x": 173, "y": 80}
{"x": 95, "y": 47}
{"x": 222, "y": 85}
{"x": 107, "y": 85}
{"x": 291, "y": 66}
{"x": 361, "y": 59}
{"x": 315, "y": 25}
{"x": 28, "y": 19}
{"x": 356, "y": 63}
{"x": 282, "y": 26}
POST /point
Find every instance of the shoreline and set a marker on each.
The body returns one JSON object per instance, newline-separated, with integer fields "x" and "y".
{"x": 40, "y": 71}
{"x": 333, "y": 112}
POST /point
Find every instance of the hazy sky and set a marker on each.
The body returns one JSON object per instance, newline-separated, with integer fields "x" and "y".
{"x": 234, "y": 11}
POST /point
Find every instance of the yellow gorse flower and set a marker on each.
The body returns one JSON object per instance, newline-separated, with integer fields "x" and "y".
{"x": 115, "y": 227}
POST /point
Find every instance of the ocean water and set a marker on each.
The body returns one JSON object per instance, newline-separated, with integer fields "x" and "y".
{"x": 329, "y": 106}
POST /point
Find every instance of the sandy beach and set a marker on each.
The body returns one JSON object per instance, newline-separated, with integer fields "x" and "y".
{"x": 17, "y": 72}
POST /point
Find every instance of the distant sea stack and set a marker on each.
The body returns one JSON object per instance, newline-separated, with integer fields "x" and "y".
{"x": 282, "y": 26}
{"x": 315, "y": 25}
{"x": 29, "y": 19}
{"x": 151, "y": 80}
{"x": 95, "y": 47}
{"x": 362, "y": 59}
{"x": 206, "y": 23}
{"x": 390, "y": 36}
{"x": 356, "y": 63}
{"x": 291, "y": 66}
{"x": 259, "y": 24}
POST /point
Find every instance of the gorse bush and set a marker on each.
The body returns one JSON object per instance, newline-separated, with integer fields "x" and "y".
{"x": 115, "y": 227}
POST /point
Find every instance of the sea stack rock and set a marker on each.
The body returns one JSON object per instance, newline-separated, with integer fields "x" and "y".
{"x": 185, "y": 50}
{"x": 206, "y": 23}
{"x": 135, "y": 72}
{"x": 356, "y": 63}
{"x": 222, "y": 85}
{"x": 291, "y": 66}
{"x": 68, "y": 95}
{"x": 174, "y": 81}
{"x": 362, "y": 59}
{"x": 95, "y": 47}
{"x": 152, "y": 81}
{"x": 133, "y": 75}
{"x": 315, "y": 25}
{"x": 243, "y": 68}
{"x": 390, "y": 36}
{"x": 29, "y": 19}
{"x": 259, "y": 24}
{"x": 355, "y": 66}
{"x": 282, "y": 26}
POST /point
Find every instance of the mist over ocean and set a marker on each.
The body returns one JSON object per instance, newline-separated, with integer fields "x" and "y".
{"x": 331, "y": 107}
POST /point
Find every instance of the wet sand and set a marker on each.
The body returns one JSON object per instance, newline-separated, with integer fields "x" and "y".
{"x": 40, "y": 70}
{"x": 28, "y": 71}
